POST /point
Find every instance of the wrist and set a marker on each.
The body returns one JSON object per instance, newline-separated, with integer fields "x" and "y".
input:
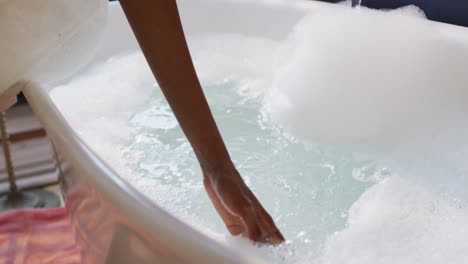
{"x": 217, "y": 169}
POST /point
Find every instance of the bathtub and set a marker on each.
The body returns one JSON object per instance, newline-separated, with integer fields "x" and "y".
{"x": 114, "y": 223}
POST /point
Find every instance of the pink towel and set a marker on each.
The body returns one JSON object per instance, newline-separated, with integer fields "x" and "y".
{"x": 37, "y": 236}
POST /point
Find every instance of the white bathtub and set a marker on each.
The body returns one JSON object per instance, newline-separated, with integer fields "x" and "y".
{"x": 113, "y": 222}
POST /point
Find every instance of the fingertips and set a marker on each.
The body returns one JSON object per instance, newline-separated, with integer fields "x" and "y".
{"x": 235, "y": 229}
{"x": 260, "y": 227}
{"x": 272, "y": 235}
{"x": 271, "y": 232}
{"x": 276, "y": 238}
{"x": 250, "y": 221}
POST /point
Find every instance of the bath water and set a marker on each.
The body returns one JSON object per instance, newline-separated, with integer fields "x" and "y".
{"x": 332, "y": 205}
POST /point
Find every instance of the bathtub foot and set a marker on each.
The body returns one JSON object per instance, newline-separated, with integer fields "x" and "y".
{"x": 28, "y": 199}
{"x": 17, "y": 200}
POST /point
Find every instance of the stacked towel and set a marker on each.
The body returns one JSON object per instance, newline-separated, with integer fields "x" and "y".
{"x": 37, "y": 236}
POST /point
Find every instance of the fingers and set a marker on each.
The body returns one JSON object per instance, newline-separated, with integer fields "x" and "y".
{"x": 272, "y": 233}
{"x": 251, "y": 223}
{"x": 233, "y": 223}
{"x": 260, "y": 226}
{"x": 241, "y": 212}
{"x": 235, "y": 229}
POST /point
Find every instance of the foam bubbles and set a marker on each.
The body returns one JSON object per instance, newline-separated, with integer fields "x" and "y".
{"x": 365, "y": 77}
{"x": 398, "y": 222}
{"x": 89, "y": 99}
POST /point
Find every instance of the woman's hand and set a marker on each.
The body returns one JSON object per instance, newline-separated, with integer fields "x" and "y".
{"x": 240, "y": 210}
{"x": 157, "y": 27}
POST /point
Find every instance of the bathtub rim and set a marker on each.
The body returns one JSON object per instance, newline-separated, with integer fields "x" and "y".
{"x": 182, "y": 239}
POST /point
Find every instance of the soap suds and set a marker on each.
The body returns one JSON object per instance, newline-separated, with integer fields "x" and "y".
{"x": 365, "y": 77}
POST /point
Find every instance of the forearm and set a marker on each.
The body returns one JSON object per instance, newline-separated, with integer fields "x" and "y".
{"x": 158, "y": 29}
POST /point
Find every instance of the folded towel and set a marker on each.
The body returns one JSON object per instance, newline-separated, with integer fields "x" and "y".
{"x": 37, "y": 236}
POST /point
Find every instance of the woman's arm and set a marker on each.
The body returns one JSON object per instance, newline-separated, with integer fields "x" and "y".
{"x": 158, "y": 29}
